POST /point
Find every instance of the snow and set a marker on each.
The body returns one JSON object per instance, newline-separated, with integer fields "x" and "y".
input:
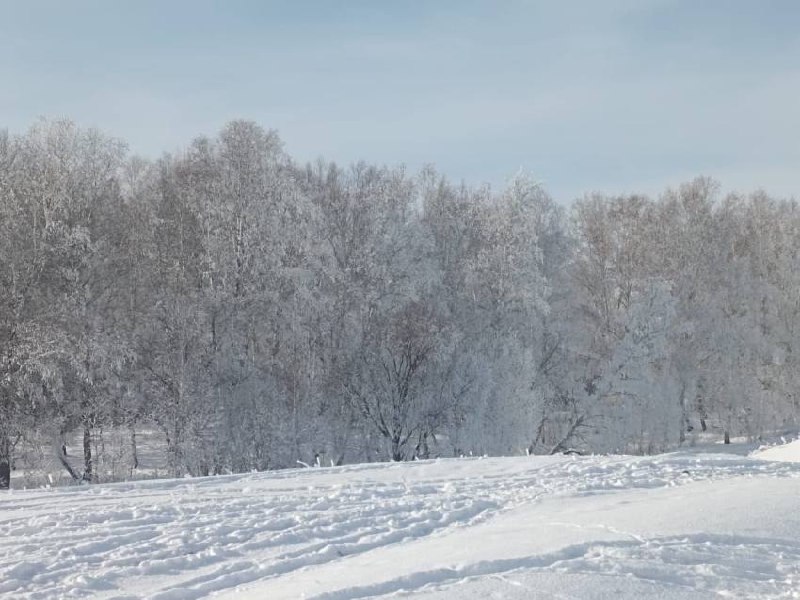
{"x": 682, "y": 525}
{"x": 784, "y": 452}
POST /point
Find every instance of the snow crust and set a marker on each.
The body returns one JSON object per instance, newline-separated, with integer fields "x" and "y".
{"x": 681, "y": 525}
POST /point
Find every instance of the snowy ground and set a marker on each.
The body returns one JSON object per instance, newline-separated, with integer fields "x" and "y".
{"x": 682, "y": 525}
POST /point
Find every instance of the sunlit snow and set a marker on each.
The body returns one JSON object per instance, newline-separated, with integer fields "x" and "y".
{"x": 681, "y": 525}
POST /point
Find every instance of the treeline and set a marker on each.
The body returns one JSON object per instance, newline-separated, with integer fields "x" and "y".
{"x": 259, "y": 313}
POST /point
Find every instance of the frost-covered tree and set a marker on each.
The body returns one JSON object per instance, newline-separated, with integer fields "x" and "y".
{"x": 64, "y": 197}
{"x": 258, "y": 314}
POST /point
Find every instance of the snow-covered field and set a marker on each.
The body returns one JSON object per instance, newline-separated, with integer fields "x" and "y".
{"x": 682, "y": 525}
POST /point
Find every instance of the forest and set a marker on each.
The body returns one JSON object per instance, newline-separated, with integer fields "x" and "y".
{"x": 258, "y": 313}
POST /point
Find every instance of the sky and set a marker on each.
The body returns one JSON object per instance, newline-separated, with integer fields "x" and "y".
{"x": 618, "y": 96}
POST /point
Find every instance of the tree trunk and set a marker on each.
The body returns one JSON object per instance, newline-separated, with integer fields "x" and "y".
{"x": 5, "y": 462}
{"x": 87, "y": 453}
{"x": 684, "y": 416}
{"x": 422, "y": 450}
{"x": 134, "y": 453}
{"x": 397, "y": 450}
{"x": 174, "y": 451}
{"x": 62, "y": 458}
{"x": 574, "y": 427}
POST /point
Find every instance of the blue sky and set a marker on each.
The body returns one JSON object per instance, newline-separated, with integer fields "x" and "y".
{"x": 616, "y": 96}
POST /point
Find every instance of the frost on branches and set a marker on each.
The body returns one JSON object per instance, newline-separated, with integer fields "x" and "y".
{"x": 253, "y": 313}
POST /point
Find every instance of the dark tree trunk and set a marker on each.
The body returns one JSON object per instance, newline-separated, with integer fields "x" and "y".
{"x": 134, "y": 453}
{"x": 87, "y": 454}
{"x": 5, "y": 473}
{"x": 5, "y": 462}
{"x": 397, "y": 454}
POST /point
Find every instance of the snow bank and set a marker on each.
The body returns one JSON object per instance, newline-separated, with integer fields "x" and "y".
{"x": 783, "y": 453}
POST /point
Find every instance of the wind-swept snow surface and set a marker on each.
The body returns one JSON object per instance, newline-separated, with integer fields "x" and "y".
{"x": 673, "y": 526}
